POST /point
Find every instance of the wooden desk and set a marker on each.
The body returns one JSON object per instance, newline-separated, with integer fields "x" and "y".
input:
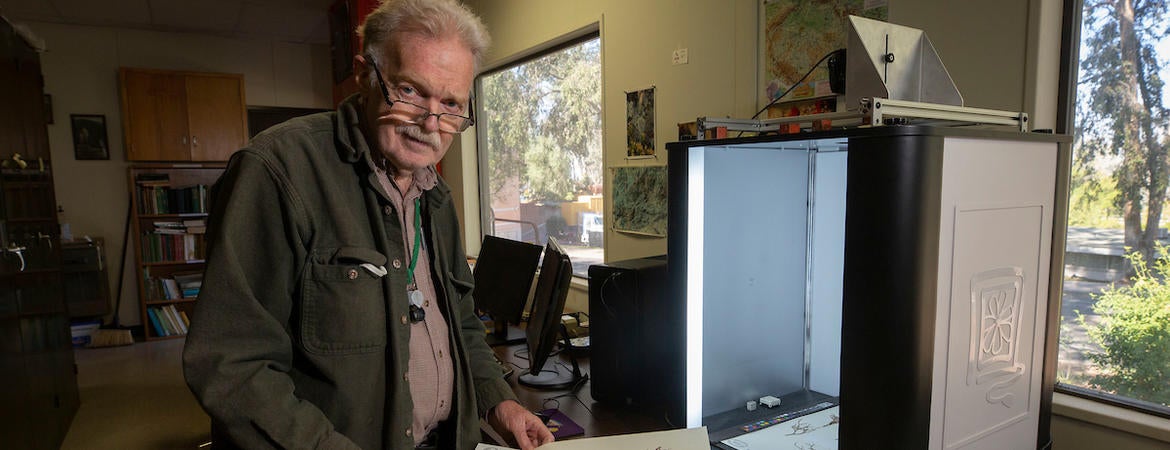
{"x": 597, "y": 419}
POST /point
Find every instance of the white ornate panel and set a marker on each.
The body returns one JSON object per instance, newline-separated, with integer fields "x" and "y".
{"x": 993, "y": 337}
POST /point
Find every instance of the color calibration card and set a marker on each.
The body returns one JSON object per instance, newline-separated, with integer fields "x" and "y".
{"x": 814, "y": 431}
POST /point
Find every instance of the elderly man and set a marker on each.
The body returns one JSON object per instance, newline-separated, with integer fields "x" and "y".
{"x": 336, "y": 309}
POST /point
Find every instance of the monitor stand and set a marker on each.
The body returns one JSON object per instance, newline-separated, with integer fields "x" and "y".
{"x": 549, "y": 376}
{"x": 504, "y": 334}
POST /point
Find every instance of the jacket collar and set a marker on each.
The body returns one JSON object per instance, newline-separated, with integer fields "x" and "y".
{"x": 351, "y": 143}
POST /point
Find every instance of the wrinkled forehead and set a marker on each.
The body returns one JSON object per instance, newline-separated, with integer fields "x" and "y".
{"x": 444, "y": 64}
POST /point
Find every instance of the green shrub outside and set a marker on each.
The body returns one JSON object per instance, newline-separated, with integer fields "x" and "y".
{"x": 1134, "y": 332}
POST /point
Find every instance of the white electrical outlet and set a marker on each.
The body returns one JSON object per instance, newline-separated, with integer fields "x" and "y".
{"x": 679, "y": 57}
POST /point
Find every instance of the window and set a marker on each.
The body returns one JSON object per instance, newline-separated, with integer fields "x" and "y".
{"x": 1115, "y": 318}
{"x": 540, "y": 150}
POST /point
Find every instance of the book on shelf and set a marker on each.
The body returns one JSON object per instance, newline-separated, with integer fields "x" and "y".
{"x": 171, "y": 289}
{"x": 152, "y": 179}
{"x": 163, "y": 199}
{"x": 189, "y": 251}
{"x": 168, "y": 323}
{"x": 155, "y": 323}
{"x": 187, "y": 279}
{"x": 195, "y": 226}
{"x": 167, "y": 246}
{"x": 198, "y": 226}
{"x": 163, "y": 324}
{"x": 172, "y": 329}
{"x": 182, "y": 315}
{"x": 173, "y": 313}
{"x": 171, "y": 322}
{"x": 189, "y": 283}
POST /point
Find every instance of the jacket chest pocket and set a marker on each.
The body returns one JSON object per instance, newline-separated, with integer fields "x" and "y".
{"x": 343, "y": 310}
{"x": 462, "y": 288}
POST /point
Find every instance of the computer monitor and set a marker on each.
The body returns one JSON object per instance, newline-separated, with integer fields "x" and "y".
{"x": 503, "y": 278}
{"x": 544, "y": 324}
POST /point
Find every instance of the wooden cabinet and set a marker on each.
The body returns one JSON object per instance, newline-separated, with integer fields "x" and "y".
{"x": 168, "y": 219}
{"x": 38, "y": 382}
{"x": 22, "y": 117}
{"x": 182, "y": 116}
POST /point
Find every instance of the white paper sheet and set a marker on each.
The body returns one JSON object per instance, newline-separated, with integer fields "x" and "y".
{"x": 681, "y": 439}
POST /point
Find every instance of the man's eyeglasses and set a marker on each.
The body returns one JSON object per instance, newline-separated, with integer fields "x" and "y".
{"x": 411, "y": 113}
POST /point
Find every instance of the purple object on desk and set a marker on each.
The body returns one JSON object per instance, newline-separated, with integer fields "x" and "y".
{"x": 561, "y": 425}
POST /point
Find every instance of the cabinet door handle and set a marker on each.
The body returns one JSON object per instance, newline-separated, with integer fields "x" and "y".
{"x": 18, "y": 251}
{"x": 194, "y": 141}
{"x": 183, "y": 140}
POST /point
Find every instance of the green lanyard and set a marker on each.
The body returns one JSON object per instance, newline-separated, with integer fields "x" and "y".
{"x": 417, "y": 314}
{"x": 417, "y": 241}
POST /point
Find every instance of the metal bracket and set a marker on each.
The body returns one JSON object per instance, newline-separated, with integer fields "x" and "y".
{"x": 875, "y": 111}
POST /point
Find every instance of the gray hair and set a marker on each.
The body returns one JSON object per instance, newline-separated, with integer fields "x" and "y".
{"x": 430, "y": 18}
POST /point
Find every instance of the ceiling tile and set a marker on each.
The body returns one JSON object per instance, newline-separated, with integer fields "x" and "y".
{"x": 304, "y": 21}
{"x": 287, "y": 23}
{"x": 130, "y": 13}
{"x": 27, "y": 8}
{"x": 217, "y": 16}
{"x": 321, "y": 5}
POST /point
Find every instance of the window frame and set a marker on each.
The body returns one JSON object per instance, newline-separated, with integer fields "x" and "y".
{"x": 1070, "y": 59}
{"x": 576, "y": 37}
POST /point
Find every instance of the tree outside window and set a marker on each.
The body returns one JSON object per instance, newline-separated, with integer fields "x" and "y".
{"x": 1115, "y": 321}
{"x": 540, "y": 141}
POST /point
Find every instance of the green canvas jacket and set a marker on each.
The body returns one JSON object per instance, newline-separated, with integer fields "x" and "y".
{"x": 293, "y": 343}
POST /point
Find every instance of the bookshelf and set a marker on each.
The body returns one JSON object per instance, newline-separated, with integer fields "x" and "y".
{"x": 168, "y": 216}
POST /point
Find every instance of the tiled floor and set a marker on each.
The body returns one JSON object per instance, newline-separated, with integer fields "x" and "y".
{"x": 134, "y": 398}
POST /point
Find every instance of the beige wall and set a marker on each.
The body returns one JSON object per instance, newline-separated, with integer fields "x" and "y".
{"x": 80, "y": 70}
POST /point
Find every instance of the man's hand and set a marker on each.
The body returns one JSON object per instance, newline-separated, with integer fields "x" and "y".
{"x": 528, "y": 431}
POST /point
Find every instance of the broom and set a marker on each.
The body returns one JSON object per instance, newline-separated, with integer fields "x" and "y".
{"x": 114, "y": 335}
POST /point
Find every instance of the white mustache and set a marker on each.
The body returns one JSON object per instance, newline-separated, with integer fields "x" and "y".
{"x": 416, "y": 132}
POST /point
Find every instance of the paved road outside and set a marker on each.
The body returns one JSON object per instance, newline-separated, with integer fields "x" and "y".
{"x": 582, "y": 257}
{"x": 1073, "y": 364}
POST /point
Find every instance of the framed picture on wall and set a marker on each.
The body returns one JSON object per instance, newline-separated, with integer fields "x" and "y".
{"x": 89, "y": 136}
{"x": 640, "y": 123}
{"x": 794, "y": 36}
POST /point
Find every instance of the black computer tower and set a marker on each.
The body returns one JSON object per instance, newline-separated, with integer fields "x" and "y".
{"x": 636, "y": 337}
